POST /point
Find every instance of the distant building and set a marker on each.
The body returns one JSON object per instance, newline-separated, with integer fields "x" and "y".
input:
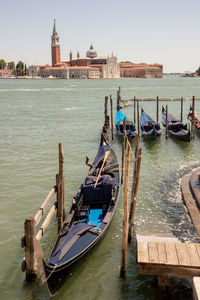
{"x": 33, "y": 71}
{"x": 5, "y": 73}
{"x": 129, "y": 69}
{"x": 90, "y": 66}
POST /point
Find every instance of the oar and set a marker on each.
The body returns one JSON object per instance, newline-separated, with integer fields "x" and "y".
{"x": 104, "y": 160}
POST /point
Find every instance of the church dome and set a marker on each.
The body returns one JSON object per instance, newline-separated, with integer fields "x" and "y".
{"x": 91, "y": 53}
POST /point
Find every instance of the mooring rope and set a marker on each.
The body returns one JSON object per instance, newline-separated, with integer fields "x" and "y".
{"x": 50, "y": 273}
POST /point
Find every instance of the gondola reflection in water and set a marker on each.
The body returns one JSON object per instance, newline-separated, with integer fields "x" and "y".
{"x": 89, "y": 217}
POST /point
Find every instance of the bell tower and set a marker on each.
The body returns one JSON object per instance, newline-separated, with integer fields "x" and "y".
{"x": 55, "y": 46}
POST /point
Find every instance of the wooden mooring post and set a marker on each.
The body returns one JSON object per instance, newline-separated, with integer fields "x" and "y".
{"x": 60, "y": 198}
{"x": 106, "y": 126}
{"x": 111, "y": 115}
{"x": 134, "y": 193}
{"x": 125, "y": 222}
{"x": 157, "y": 108}
{"x": 138, "y": 117}
{"x": 31, "y": 240}
{"x": 134, "y": 119}
{"x": 118, "y": 101}
{"x": 181, "y": 109}
{"x": 166, "y": 122}
{"x": 193, "y": 109}
{"x": 30, "y": 250}
{"x": 123, "y": 149}
{"x": 120, "y": 98}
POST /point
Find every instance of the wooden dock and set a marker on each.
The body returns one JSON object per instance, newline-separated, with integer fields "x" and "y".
{"x": 166, "y": 257}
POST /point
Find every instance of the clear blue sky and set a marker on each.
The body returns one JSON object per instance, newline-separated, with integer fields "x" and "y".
{"x": 151, "y": 31}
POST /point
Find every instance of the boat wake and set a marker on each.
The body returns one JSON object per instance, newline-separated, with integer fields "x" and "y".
{"x": 176, "y": 214}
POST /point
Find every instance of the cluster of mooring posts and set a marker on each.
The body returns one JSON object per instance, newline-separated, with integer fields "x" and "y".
{"x": 30, "y": 241}
{"x": 136, "y": 111}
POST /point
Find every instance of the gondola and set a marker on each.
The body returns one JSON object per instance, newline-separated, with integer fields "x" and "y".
{"x": 176, "y": 128}
{"x": 149, "y": 128}
{"x": 89, "y": 218}
{"x": 130, "y": 127}
{"x": 196, "y": 120}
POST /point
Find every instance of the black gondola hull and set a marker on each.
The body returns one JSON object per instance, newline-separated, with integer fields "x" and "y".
{"x": 80, "y": 233}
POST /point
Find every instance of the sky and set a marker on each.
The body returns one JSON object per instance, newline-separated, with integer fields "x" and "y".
{"x": 141, "y": 31}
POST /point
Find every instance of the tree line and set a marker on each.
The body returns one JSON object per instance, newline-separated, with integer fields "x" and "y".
{"x": 19, "y": 69}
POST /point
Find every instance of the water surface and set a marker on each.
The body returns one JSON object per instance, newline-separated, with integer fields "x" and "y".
{"x": 36, "y": 115}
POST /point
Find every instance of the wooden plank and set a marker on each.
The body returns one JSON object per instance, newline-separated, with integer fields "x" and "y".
{"x": 198, "y": 249}
{"x": 153, "y": 252}
{"x": 167, "y": 270}
{"x": 172, "y": 258}
{"x": 44, "y": 206}
{"x": 162, "y": 256}
{"x": 193, "y": 255}
{"x": 46, "y": 222}
{"x": 182, "y": 254}
{"x": 142, "y": 252}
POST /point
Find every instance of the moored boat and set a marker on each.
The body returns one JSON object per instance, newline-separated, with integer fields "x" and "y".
{"x": 176, "y": 128}
{"x": 149, "y": 127}
{"x": 130, "y": 129}
{"x": 196, "y": 119}
{"x": 89, "y": 217}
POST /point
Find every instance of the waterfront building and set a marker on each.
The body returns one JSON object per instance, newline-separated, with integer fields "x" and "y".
{"x": 94, "y": 66}
{"x": 90, "y": 66}
{"x": 33, "y": 71}
{"x": 5, "y": 73}
{"x": 129, "y": 69}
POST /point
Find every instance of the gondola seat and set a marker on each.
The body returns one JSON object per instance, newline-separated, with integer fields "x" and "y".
{"x": 101, "y": 193}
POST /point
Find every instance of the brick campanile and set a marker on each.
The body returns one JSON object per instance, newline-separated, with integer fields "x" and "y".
{"x": 55, "y": 46}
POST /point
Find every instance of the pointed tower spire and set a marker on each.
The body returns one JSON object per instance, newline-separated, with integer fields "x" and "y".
{"x": 54, "y": 27}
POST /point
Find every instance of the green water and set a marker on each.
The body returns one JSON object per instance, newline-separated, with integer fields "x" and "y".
{"x": 36, "y": 115}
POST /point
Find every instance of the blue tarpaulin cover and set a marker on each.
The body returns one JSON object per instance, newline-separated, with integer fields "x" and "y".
{"x": 120, "y": 117}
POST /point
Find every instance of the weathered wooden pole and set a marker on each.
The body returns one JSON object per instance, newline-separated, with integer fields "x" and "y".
{"x": 111, "y": 114}
{"x": 125, "y": 222}
{"x": 60, "y": 196}
{"x": 106, "y": 107}
{"x": 181, "y": 109}
{"x": 137, "y": 145}
{"x": 134, "y": 196}
{"x": 138, "y": 117}
{"x": 166, "y": 121}
{"x": 30, "y": 251}
{"x": 134, "y": 174}
{"x": 134, "y": 120}
{"x": 157, "y": 108}
{"x": 193, "y": 109}
{"x": 117, "y": 100}
{"x": 120, "y": 98}
{"x": 123, "y": 149}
